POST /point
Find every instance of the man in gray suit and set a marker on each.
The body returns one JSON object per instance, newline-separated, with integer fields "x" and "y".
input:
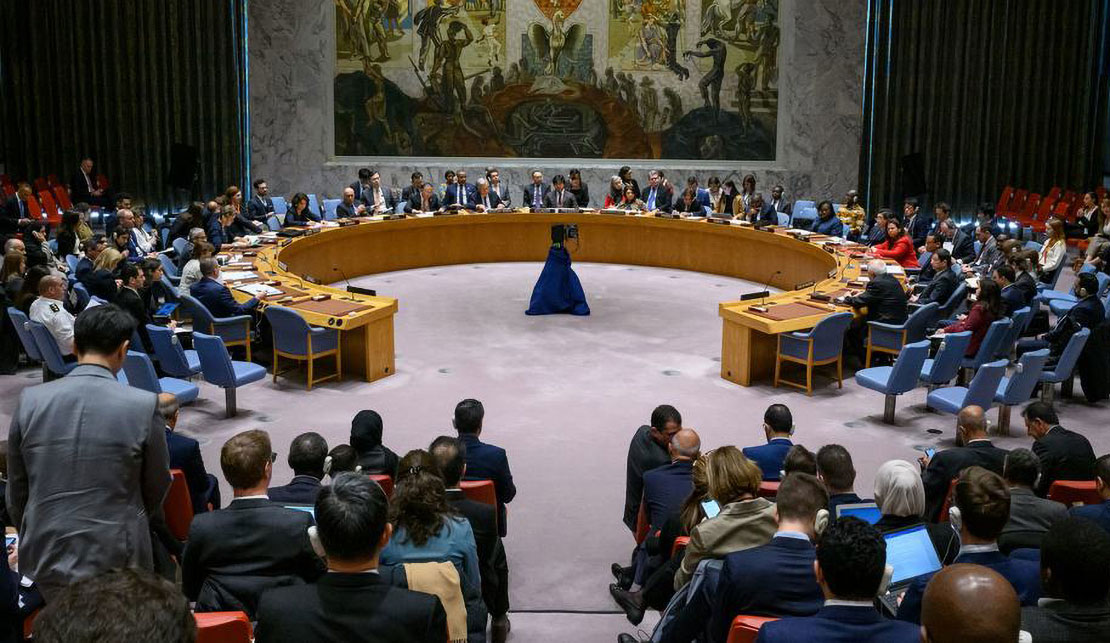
{"x": 1030, "y": 516}
{"x": 87, "y": 463}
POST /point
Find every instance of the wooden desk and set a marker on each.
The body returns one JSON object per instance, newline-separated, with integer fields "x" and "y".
{"x": 373, "y": 247}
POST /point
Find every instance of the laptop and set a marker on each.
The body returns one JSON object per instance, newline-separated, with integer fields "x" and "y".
{"x": 866, "y": 511}
{"x": 308, "y": 509}
{"x": 911, "y": 554}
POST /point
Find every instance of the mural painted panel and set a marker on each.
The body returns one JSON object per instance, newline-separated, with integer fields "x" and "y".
{"x": 620, "y": 79}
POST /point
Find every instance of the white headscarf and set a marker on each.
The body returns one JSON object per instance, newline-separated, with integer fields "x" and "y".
{"x": 899, "y": 490}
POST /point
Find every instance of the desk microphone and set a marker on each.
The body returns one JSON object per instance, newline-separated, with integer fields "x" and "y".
{"x": 767, "y": 286}
{"x": 358, "y": 290}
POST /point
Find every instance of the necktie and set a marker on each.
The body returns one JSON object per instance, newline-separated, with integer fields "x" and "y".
{"x": 536, "y": 197}
{"x": 560, "y": 199}
{"x": 651, "y": 200}
{"x": 485, "y": 201}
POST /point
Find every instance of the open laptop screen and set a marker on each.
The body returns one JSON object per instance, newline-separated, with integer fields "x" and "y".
{"x": 308, "y": 509}
{"x": 910, "y": 552}
{"x": 866, "y": 511}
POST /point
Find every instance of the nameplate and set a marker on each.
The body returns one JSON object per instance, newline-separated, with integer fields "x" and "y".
{"x": 668, "y": 215}
{"x": 393, "y": 217}
{"x": 282, "y": 266}
{"x": 346, "y": 223}
{"x": 321, "y": 298}
{"x": 445, "y": 213}
{"x": 832, "y": 273}
{"x": 804, "y": 285}
{"x": 312, "y": 280}
{"x": 718, "y": 221}
{"x": 311, "y": 231}
{"x": 820, "y": 297}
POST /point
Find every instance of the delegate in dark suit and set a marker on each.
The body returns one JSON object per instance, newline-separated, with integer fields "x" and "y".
{"x": 839, "y": 624}
{"x": 1064, "y": 455}
{"x": 185, "y": 455}
{"x": 884, "y": 299}
{"x": 644, "y": 454}
{"x": 1028, "y": 287}
{"x": 235, "y": 554}
{"x": 1030, "y": 515}
{"x": 940, "y": 288}
{"x": 416, "y": 203}
{"x": 1066, "y": 621}
{"x": 665, "y": 488}
{"x": 301, "y": 490}
{"x": 559, "y": 199}
{"x": 919, "y": 226}
{"x": 1099, "y": 513}
{"x": 1013, "y": 299}
{"x": 488, "y": 462}
{"x": 218, "y": 300}
{"x": 14, "y": 210}
{"x": 946, "y": 465}
{"x": 350, "y": 607}
{"x": 306, "y": 217}
{"x": 370, "y": 198}
{"x": 348, "y": 211}
{"x": 87, "y": 467}
{"x": 530, "y": 194}
{"x": 659, "y": 198}
{"x": 259, "y": 208}
{"x": 132, "y": 303}
{"x": 769, "y": 456}
{"x": 1024, "y": 576}
{"x": 456, "y": 194}
{"x": 491, "y": 551}
{"x": 963, "y": 246}
{"x": 490, "y": 201}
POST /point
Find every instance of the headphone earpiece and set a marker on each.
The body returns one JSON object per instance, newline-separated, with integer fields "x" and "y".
{"x": 327, "y": 465}
{"x": 955, "y": 518}
{"x": 314, "y": 539}
{"x": 888, "y": 573}
{"x": 821, "y": 521}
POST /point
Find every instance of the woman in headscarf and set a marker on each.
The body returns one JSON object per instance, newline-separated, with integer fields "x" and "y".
{"x": 900, "y": 495}
{"x": 366, "y": 437}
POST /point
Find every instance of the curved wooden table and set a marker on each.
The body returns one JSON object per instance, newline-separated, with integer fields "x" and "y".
{"x": 371, "y": 247}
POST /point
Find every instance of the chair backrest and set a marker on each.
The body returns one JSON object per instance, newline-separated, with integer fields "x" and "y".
{"x": 1070, "y": 355}
{"x": 179, "y": 245}
{"x": 917, "y": 324}
{"x": 1019, "y": 320}
{"x": 1070, "y": 492}
{"x": 214, "y": 360}
{"x": 281, "y": 206}
{"x": 1103, "y": 283}
{"x": 49, "y": 351}
{"x": 171, "y": 357}
{"x": 954, "y": 300}
{"x": 164, "y": 234}
{"x": 1032, "y": 245}
{"x": 83, "y": 296}
{"x": 330, "y": 208}
{"x": 140, "y": 372}
{"x": 991, "y": 342}
{"x": 71, "y": 261}
{"x": 784, "y": 218}
{"x": 948, "y": 359}
{"x": 1019, "y": 388}
{"x": 169, "y": 268}
{"x": 202, "y": 319}
{"x": 768, "y": 489}
{"x": 985, "y": 384}
{"x": 1004, "y": 199}
{"x": 479, "y": 491}
{"x": 828, "y": 335}
{"x": 20, "y": 321}
{"x": 223, "y": 627}
{"x": 62, "y": 197}
{"x": 178, "y": 506}
{"x": 272, "y": 223}
{"x": 903, "y": 376}
{"x": 745, "y": 629}
{"x": 313, "y": 203}
{"x": 290, "y": 330}
{"x": 1055, "y": 276}
{"x": 385, "y": 482}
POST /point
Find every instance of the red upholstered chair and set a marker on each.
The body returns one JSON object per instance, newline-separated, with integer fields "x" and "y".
{"x": 385, "y": 482}
{"x": 34, "y": 210}
{"x": 8, "y": 189}
{"x": 1016, "y": 203}
{"x": 1029, "y": 208}
{"x": 1045, "y": 209}
{"x": 1004, "y": 199}
{"x": 101, "y": 181}
{"x": 50, "y": 207}
{"x": 480, "y": 491}
{"x": 768, "y": 489}
{"x": 223, "y": 627}
{"x": 943, "y": 517}
{"x": 29, "y": 624}
{"x": 642, "y": 525}
{"x": 1070, "y": 492}
{"x": 178, "y": 506}
{"x": 745, "y": 628}
{"x": 52, "y": 180}
{"x": 40, "y": 184}
{"x": 61, "y": 195}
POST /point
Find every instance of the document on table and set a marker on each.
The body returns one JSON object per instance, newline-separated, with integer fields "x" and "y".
{"x": 258, "y": 290}
{"x": 237, "y": 275}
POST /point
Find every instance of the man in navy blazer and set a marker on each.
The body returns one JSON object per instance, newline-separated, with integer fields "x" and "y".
{"x": 185, "y": 455}
{"x": 484, "y": 199}
{"x": 535, "y": 192}
{"x": 982, "y": 503}
{"x": 836, "y": 471}
{"x": 1064, "y": 454}
{"x": 851, "y": 559}
{"x": 460, "y": 193}
{"x": 975, "y": 448}
{"x": 484, "y": 461}
{"x": 215, "y": 296}
{"x": 261, "y": 206}
{"x": 666, "y": 487}
{"x": 1099, "y": 513}
{"x": 778, "y": 425}
{"x": 307, "y": 453}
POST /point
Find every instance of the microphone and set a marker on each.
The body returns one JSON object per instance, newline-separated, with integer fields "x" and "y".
{"x": 358, "y": 290}
{"x": 767, "y": 286}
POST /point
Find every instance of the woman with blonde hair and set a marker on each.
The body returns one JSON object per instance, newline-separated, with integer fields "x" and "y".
{"x": 900, "y": 495}
{"x": 1053, "y": 251}
{"x": 745, "y": 520}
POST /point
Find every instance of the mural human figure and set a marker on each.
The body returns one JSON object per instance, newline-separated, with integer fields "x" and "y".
{"x": 427, "y": 27}
{"x": 449, "y": 53}
{"x": 710, "y": 84}
{"x": 766, "y": 55}
{"x": 670, "y": 52}
{"x": 649, "y": 51}
{"x": 375, "y": 15}
{"x": 493, "y": 46}
{"x": 393, "y": 12}
{"x": 610, "y": 85}
{"x": 497, "y": 81}
{"x": 375, "y": 105}
{"x": 745, "y": 85}
{"x": 649, "y": 103}
{"x": 353, "y": 13}
{"x": 674, "y": 105}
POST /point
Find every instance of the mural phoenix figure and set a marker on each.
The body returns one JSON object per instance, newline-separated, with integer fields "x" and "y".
{"x": 550, "y": 44}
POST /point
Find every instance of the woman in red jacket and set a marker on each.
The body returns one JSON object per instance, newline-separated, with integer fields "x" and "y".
{"x": 987, "y": 309}
{"x": 898, "y": 245}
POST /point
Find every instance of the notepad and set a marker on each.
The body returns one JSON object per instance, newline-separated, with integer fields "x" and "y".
{"x": 237, "y": 275}
{"x": 258, "y": 290}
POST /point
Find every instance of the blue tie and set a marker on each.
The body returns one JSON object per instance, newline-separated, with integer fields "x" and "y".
{"x": 651, "y": 200}
{"x": 536, "y": 197}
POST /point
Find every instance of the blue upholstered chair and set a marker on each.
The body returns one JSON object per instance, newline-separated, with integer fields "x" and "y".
{"x": 222, "y": 371}
{"x": 295, "y": 339}
{"x": 805, "y": 205}
{"x": 946, "y": 365}
{"x": 273, "y": 223}
{"x": 824, "y": 344}
{"x": 180, "y": 245}
{"x": 53, "y": 361}
{"x": 83, "y": 296}
{"x": 784, "y": 218}
{"x": 164, "y": 234}
{"x": 893, "y": 381}
{"x": 1065, "y": 366}
{"x": 314, "y": 204}
{"x": 1033, "y": 245}
{"x": 169, "y": 268}
{"x": 948, "y": 309}
{"x": 992, "y": 341}
{"x": 1019, "y": 321}
{"x": 235, "y": 331}
{"x": 1052, "y": 279}
{"x": 980, "y": 392}
{"x": 890, "y": 338}
{"x": 174, "y": 360}
{"x": 331, "y": 209}
{"x": 140, "y": 374}
{"x": 1018, "y": 388}
{"x": 19, "y": 322}
{"x": 71, "y": 261}
{"x": 281, "y": 206}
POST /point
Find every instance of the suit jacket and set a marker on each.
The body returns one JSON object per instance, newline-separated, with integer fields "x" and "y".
{"x": 1030, "y": 514}
{"x": 1099, "y": 513}
{"x": 946, "y": 465}
{"x": 458, "y": 194}
{"x": 1028, "y": 287}
{"x": 568, "y": 201}
{"x": 344, "y": 211}
{"x": 15, "y": 209}
{"x": 884, "y": 299}
{"x": 963, "y": 246}
{"x": 79, "y": 186}
{"x": 218, "y": 300}
{"x": 350, "y": 607}
{"x": 1060, "y": 621}
{"x": 491, "y": 552}
{"x": 301, "y": 490}
{"x": 307, "y": 217}
{"x": 367, "y": 197}
{"x": 530, "y": 192}
{"x": 1013, "y": 299}
{"x": 769, "y": 456}
{"x": 1064, "y": 455}
{"x": 487, "y": 462}
{"x": 644, "y": 454}
{"x": 494, "y": 200}
{"x": 132, "y": 303}
{"x": 835, "y": 500}
{"x": 502, "y": 191}
{"x": 416, "y": 203}
{"x": 665, "y": 488}
{"x": 831, "y": 226}
{"x": 740, "y": 525}
{"x": 989, "y": 257}
{"x": 259, "y": 209}
{"x": 940, "y": 288}
{"x": 918, "y": 227}
{"x": 185, "y": 455}
{"x": 664, "y": 197}
{"x": 235, "y": 554}
{"x": 83, "y": 269}
{"x": 840, "y": 623}
{"x": 87, "y": 468}
{"x": 1024, "y": 576}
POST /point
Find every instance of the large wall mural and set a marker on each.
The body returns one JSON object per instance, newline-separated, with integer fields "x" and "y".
{"x": 621, "y": 79}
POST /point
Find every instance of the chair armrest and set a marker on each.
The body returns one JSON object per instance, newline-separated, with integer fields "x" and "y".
{"x": 228, "y": 321}
{"x": 884, "y": 326}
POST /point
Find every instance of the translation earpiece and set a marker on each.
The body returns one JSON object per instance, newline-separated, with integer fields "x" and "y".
{"x": 888, "y": 573}
{"x": 314, "y": 539}
{"x": 327, "y": 465}
{"x": 954, "y": 518}
{"x": 821, "y": 521}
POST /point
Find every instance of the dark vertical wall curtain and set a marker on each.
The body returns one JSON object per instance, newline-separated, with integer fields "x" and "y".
{"x": 989, "y": 92}
{"x": 123, "y": 81}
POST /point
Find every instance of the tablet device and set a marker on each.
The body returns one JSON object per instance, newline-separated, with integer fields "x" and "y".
{"x": 911, "y": 553}
{"x": 308, "y": 509}
{"x": 166, "y": 309}
{"x": 865, "y": 511}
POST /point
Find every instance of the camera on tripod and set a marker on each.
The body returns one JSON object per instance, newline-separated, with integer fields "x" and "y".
{"x": 563, "y": 231}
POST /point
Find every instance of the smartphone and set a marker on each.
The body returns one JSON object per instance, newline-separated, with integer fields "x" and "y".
{"x": 929, "y": 453}
{"x": 711, "y": 508}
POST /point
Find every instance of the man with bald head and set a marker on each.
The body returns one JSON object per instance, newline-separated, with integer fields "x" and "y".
{"x": 348, "y": 208}
{"x": 973, "y": 448}
{"x": 970, "y": 604}
{"x": 48, "y": 310}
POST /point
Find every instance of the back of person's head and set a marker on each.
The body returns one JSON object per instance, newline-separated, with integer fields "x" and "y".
{"x": 366, "y": 431}
{"x": 341, "y": 459}
{"x": 117, "y": 605}
{"x": 852, "y": 558}
{"x": 983, "y": 501}
{"x": 127, "y": 272}
{"x": 168, "y": 407}
{"x": 899, "y": 490}
{"x": 1075, "y": 561}
{"x": 419, "y": 504}
{"x": 209, "y": 266}
{"x": 245, "y": 457}
{"x": 468, "y": 416}
{"x": 102, "y": 330}
{"x": 1021, "y": 467}
{"x": 351, "y": 515}
{"x": 665, "y": 414}
{"x": 307, "y": 453}
{"x": 108, "y": 259}
{"x": 1102, "y": 470}
{"x": 1041, "y": 412}
{"x": 685, "y": 444}
{"x": 944, "y": 256}
{"x": 1086, "y": 285}
{"x": 834, "y": 466}
{"x": 799, "y": 497}
{"x": 778, "y": 419}
{"x": 799, "y": 460}
{"x": 966, "y": 603}
{"x": 730, "y": 475}
{"x": 450, "y": 455}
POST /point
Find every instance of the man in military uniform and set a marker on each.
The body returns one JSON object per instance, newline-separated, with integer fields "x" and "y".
{"x": 49, "y": 311}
